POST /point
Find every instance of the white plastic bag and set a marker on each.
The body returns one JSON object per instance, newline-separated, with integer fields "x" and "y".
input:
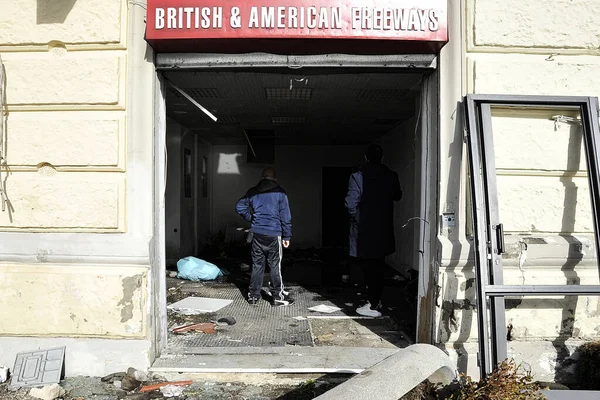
{"x": 171, "y": 391}
{"x": 3, "y": 374}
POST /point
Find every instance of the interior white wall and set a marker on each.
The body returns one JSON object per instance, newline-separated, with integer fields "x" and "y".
{"x": 187, "y": 225}
{"x": 173, "y": 191}
{"x": 203, "y": 216}
{"x": 300, "y": 173}
{"x": 399, "y": 155}
{"x": 188, "y": 220}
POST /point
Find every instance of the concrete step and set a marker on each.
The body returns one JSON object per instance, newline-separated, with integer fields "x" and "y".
{"x": 285, "y": 360}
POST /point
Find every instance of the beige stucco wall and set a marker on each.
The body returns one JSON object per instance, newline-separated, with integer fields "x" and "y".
{"x": 75, "y": 243}
{"x": 523, "y": 48}
{"x": 85, "y": 23}
{"x": 90, "y": 301}
{"x": 50, "y": 79}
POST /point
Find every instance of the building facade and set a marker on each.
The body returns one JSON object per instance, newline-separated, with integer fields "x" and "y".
{"x": 83, "y": 233}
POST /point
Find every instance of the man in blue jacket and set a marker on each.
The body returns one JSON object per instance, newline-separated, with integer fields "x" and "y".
{"x": 266, "y": 207}
{"x": 372, "y": 192}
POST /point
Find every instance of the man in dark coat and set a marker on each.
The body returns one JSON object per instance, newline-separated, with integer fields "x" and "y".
{"x": 372, "y": 192}
{"x": 266, "y": 206}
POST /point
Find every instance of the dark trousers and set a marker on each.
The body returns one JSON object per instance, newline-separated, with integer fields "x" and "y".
{"x": 266, "y": 249}
{"x": 374, "y": 273}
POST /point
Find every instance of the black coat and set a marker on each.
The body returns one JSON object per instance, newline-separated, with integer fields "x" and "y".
{"x": 370, "y": 201}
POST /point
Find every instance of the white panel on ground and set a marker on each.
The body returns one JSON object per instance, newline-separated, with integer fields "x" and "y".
{"x": 38, "y": 368}
{"x": 198, "y": 305}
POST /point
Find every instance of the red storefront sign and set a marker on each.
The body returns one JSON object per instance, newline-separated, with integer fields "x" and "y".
{"x": 416, "y": 23}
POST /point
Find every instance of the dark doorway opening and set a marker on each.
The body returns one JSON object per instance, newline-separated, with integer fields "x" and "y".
{"x": 322, "y": 120}
{"x": 334, "y": 220}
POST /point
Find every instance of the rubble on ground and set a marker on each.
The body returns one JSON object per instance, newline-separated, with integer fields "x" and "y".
{"x": 49, "y": 392}
{"x": 103, "y": 388}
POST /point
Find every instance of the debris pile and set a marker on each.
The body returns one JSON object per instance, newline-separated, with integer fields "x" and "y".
{"x": 204, "y": 327}
{"x": 140, "y": 386}
{"x": 50, "y": 392}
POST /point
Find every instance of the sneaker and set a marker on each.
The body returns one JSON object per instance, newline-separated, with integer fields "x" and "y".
{"x": 270, "y": 291}
{"x": 286, "y": 300}
{"x": 253, "y": 301}
{"x": 367, "y": 311}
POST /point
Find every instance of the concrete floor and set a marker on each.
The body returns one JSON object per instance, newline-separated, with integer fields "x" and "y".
{"x": 264, "y": 338}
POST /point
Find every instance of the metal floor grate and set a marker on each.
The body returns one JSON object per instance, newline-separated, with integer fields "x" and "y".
{"x": 256, "y": 326}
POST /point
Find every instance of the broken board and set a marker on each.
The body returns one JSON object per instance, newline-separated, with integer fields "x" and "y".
{"x": 198, "y": 305}
{"x": 38, "y": 368}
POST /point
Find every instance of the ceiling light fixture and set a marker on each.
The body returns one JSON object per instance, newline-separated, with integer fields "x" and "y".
{"x": 194, "y": 102}
{"x": 286, "y": 94}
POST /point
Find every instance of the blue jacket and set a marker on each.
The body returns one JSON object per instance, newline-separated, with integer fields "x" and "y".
{"x": 266, "y": 207}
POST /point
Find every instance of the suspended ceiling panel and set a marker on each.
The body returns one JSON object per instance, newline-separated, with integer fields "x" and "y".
{"x": 301, "y": 108}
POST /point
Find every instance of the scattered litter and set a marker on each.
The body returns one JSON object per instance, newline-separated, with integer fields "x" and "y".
{"x": 157, "y": 377}
{"x": 171, "y": 391}
{"x": 49, "y": 392}
{"x": 172, "y": 274}
{"x": 195, "y": 269}
{"x": 234, "y": 340}
{"x": 117, "y": 376}
{"x": 3, "y": 374}
{"x": 157, "y": 386}
{"x": 235, "y": 234}
{"x": 117, "y": 384}
{"x": 244, "y": 267}
{"x": 300, "y": 318}
{"x": 325, "y": 337}
{"x": 225, "y": 321}
{"x": 324, "y": 308}
{"x": 399, "y": 278}
{"x": 198, "y": 305}
{"x": 129, "y": 383}
{"x": 349, "y": 304}
{"x": 137, "y": 374}
{"x": 204, "y": 327}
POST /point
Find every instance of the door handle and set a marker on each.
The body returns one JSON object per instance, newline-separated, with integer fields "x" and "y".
{"x": 500, "y": 239}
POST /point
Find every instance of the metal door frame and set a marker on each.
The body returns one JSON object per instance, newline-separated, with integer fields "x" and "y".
{"x": 488, "y": 230}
